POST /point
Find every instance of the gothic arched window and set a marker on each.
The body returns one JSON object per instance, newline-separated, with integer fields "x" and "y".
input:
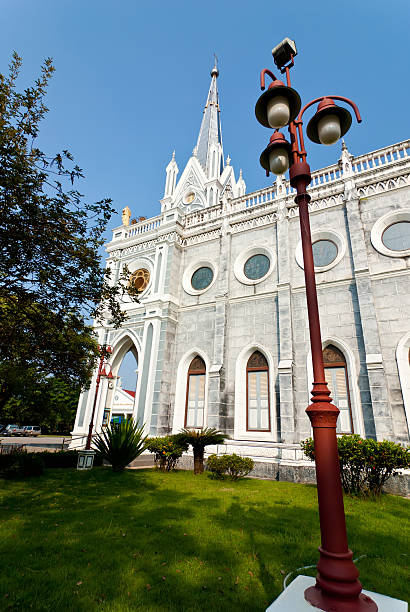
{"x": 338, "y": 382}
{"x": 195, "y": 394}
{"x": 257, "y": 393}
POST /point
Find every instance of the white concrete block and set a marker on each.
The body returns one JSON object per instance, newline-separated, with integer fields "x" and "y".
{"x": 293, "y": 600}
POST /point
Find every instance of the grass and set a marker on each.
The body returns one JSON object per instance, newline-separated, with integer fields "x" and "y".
{"x": 176, "y": 542}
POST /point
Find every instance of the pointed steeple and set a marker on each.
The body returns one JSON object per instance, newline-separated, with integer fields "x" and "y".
{"x": 172, "y": 171}
{"x": 209, "y": 149}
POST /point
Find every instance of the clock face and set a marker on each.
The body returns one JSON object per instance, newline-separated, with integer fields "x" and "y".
{"x": 139, "y": 279}
{"x": 189, "y": 197}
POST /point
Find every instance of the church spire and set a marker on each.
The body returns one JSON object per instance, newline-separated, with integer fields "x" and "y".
{"x": 209, "y": 149}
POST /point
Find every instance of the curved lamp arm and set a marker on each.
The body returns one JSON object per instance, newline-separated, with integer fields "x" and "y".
{"x": 352, "y": 104}
{"x": 268, "y": 72}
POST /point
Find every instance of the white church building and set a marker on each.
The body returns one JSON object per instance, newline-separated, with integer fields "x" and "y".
{"x": 220, "y": 333}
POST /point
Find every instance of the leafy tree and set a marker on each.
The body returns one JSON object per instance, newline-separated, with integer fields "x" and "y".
{"x": 50, "y": 402}
{"x": 198, "y": 439}
{"x": 51, "y": 277}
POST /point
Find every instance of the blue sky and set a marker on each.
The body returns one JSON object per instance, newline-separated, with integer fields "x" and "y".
{"x": 132, "y": 78}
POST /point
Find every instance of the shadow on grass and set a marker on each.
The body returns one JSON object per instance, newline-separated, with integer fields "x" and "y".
{"x": 172, "y": 542}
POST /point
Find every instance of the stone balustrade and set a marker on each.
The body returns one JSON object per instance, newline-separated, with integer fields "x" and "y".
{"x": 326, "y": 182}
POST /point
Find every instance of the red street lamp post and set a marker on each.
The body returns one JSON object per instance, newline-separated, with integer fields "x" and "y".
{"x": 104, "y": 351}
{"x": 337, "y": 586}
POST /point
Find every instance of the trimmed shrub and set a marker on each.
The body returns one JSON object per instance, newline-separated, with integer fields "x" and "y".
{"x": 21, "y": 464}
{"x": 234, "y": 466}
{"x": 216, "y": 465}
{"x": 59, "y": 459}
{"x": 64, "y": 459}
{"x": 167, "y": 451}
{"x": 365, "y": 464}
{"x": 120, "y": 444}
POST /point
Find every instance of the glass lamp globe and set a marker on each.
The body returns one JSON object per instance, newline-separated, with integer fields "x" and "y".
{"x": 329, "y": 130}
{"x": 278, "y": 160}
{"x": 278, "y": 112}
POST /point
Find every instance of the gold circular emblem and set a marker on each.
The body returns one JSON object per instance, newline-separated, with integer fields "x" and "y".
{"x": 139, "y": 280}
{"x": 189, "y": 197}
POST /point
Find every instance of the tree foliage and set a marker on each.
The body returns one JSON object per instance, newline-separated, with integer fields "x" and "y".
{"x": 50, "y": 402}
{"x": 51, "y": 277}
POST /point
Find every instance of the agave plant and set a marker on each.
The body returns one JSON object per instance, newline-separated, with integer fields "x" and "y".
{"x": 121, "y": 443}
{"x": 198, "y": 439}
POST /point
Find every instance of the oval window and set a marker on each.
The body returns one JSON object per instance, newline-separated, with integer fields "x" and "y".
{"x": 202, "y": 278}
{"x": 396, "y": 237}
{"x": 324, "y": 252}
{"x": 256, "y": 267}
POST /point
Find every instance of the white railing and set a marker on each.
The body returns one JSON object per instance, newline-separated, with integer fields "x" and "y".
{"x": 381, "y": 157}
{"x": 143, "y": 226}
{"x": 280, "y": 189}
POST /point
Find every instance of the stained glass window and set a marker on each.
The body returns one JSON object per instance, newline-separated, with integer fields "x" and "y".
{"x": 324, "y": 252}
{"x": 139, "y": 280}
{"x": 202, "y": 278}
{"x": 396, "y": 237}
{"x": 257, "y": 372}
{"x": 256, "y": 267}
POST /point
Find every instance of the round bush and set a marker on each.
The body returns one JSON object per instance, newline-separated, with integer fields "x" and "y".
{"x": 167, "y": 451}
{"x": 365, "y": 464}
{"x": 234, "y": 466}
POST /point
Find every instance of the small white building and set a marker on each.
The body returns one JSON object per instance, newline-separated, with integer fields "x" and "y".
{"x": 122, "y": 405}
{"x": 221, "y": 332}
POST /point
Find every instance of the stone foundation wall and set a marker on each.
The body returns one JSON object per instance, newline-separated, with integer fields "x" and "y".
{"x": 303, "y": 473}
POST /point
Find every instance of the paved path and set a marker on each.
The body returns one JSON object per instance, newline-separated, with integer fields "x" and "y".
{"x": 143, "y": 461}
{"x": 52, "y": 442}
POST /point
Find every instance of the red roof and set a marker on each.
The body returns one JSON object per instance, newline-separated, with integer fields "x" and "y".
{"x": 132, "y": 393}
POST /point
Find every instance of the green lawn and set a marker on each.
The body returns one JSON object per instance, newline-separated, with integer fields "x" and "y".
{"x": 174, "y": 542}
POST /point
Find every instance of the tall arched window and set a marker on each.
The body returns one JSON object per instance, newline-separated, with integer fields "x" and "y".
{"x": 195, "y": 394}
{"x": 338, "y": 382}
{"x": 257, "y": 393}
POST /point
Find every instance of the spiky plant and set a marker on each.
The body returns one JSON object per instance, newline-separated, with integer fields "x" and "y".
{"x": 198, "y": 439}
{"x": 121, "y": 443}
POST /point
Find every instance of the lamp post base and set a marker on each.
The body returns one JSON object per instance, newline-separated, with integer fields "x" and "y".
{"x": 318, "y": 599}
{"x": 293, "y": 599}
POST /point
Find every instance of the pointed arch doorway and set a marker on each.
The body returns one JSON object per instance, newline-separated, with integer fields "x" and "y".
{"x": 120, "y": 401}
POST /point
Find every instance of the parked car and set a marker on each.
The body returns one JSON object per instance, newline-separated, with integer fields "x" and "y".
{"x": 10, "y": 430}
{"x": 30, "y": 430}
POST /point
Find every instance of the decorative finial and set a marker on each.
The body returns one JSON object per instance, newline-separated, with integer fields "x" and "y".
{"x": 228, "y": 161}
{"x": 240, "y": 173}
{"x": 126, "y": 214}
{"x": 344, "y": 147}
{"x": 173, "y": 155}
{"x": 194, "y": 152}
{"x": 215, "y": 71}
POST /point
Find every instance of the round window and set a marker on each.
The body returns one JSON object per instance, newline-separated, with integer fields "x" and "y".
{"x": 139, "y": 280}
{"x": 256, "y": 267}
{"x": 202, "y": 278}
{"x": 396, "y": 237}
{"x": 324, "y": 252}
